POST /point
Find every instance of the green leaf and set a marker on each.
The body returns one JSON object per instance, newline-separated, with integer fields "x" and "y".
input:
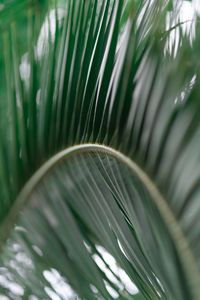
{"x": 99, "y": 160}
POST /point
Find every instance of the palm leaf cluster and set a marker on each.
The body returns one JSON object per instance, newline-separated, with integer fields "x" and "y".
{"x": 99, "y": 151}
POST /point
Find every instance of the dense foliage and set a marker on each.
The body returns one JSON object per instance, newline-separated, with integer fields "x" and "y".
{"x": 99, "y": 150}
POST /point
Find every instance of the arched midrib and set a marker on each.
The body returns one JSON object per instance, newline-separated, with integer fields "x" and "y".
{"x": 180, "y": 241}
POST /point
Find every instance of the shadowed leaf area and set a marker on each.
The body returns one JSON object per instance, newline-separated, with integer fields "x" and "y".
{"x": 99, "y": 150}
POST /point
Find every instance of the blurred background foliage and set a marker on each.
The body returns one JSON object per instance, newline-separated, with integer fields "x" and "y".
{"x": 117, "y": 215}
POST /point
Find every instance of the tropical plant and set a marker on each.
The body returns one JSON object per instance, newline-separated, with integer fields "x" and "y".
{"x": 99, "y": 150}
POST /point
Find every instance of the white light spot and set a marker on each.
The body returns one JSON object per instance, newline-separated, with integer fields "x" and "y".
{"x": 48, "y": 30}
{"x": 25, "y": 68}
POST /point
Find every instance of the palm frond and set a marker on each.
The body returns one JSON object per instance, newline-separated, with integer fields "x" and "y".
{"x": 104, "y": 80}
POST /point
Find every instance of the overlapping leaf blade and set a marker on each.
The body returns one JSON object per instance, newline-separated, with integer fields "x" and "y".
{"x": 103, "y": 75}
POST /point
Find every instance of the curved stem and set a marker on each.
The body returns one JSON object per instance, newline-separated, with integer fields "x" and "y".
{"x": 178, "y": 237}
